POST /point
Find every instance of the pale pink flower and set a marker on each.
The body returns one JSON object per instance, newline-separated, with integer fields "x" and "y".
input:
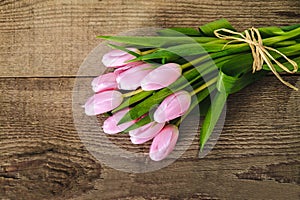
{"x": 164, "y": 143}
{"x": 103, "y": 102}
{"x": 145, "y": 133}
{"x": 161, "y": 77}
{"x": 173, "y": 106}
{"x": 104, "y": 82}
{"x": 117, "y": 58}
{"x": 131, "y": 78}
{"x": 119, "y": 70}
{"x": 110, "y": 125}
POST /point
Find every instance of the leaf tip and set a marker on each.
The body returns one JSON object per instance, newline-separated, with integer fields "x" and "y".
{"x": 201, "y": 146}
{"x": 103, "y": 36}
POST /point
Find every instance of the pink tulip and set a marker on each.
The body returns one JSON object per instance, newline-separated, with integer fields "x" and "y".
{"x": 103, "y": 102}
{"x": 118, "y": 58}
{"x": 131, "y": 78}
{"x": 145, "y": 133}
{"x": 173, "y": 106}
{"x": 126, "y": 67}
{"x": 110, "y": 125}
{"x": 164, "y": 143}
{"x": 135, "y": 140}
{"x": 104, "y": 82}
{"x": 161, "y": 77}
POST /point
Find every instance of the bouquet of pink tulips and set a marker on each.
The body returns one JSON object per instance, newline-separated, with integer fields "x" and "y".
{"x": 158, "y": 80}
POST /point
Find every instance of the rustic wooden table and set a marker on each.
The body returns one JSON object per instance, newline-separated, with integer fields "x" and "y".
{"x": 43, "y": 43}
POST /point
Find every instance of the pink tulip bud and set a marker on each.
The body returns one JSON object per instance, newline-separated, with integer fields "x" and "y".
{"x": 126, "y": 67}
{"x": 103, "y": 102}
{"x": 161, "y": 77}
{"x": 173, "y": 106}
{"x": 110, "y": 125}
{"x": 131, "y": 78}
{"x": 104, "y": 82}
{"x": 135, "y": 140}
{"x": 164, "y": 143}
{"x": 118, "y": 58}
{"x": 145, "y": 133}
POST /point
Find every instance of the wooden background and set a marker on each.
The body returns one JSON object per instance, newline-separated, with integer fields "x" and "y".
{"x": 44, "y": 42}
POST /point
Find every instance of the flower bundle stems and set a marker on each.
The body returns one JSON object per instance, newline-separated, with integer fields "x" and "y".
{"x": 178, "y": 69}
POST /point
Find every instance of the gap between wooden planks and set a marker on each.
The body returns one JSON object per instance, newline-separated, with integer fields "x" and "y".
{"x": 51, "y": 38}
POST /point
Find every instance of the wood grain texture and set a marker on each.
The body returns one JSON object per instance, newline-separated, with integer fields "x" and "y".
{"x": 41, "y": 151}
{"x": 43, "y": 43}
{"x": 51, "y": 38}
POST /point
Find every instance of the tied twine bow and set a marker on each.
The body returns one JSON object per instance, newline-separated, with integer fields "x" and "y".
{"x": 260, "y": 52}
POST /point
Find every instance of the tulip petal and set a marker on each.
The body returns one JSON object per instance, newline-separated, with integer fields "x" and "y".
{"x": 172, "y": 107}
{"x": 117, "y": 52}
{"x": 161, "y": 77}
{"x": 164, "y": 143}
{"x": 148, "y": 130}
{"x": 145, "y": 133}
{"x": 126, "y": 67}
{"x": 135, "y": 140}
{"x": 132, "y": 77}
{"x": 118, "y": 58}
{"x": 104, "y": 82}
{"x": 110, "y": 125}
{"x": 103, "y": 102}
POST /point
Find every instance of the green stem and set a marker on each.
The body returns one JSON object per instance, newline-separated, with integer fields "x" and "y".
{"x": 148, "y": 52}
{"x": 204, "y": 86}
{"x": 129, "y": 94}
{"x": 288, "y": 35}
{"x": 198, "y": 72}
{"x": 194, "y": 62}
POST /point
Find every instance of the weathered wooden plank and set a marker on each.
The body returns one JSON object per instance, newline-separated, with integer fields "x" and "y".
{"x": 42, "y": 156}
{"x": 51, "y": 38}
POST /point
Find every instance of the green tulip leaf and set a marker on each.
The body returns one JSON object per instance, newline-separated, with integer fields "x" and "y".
{"x": 138, "y": 124}
{"x": 209, "y": 28}
{"x": 156, "y": 41}
{"x": 212, "y": 116}
{"x": 179, "y": 32}
{"x": 124, "y": 49}
{"x": 159, "y": 54}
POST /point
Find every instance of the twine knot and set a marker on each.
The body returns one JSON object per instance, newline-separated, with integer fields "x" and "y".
{"x": 260, "y": 52}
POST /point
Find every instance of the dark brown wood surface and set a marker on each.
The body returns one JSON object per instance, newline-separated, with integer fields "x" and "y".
{"x": 43, "y": 44}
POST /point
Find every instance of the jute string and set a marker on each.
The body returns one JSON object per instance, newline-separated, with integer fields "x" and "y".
{"x": 260, "y": 52}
